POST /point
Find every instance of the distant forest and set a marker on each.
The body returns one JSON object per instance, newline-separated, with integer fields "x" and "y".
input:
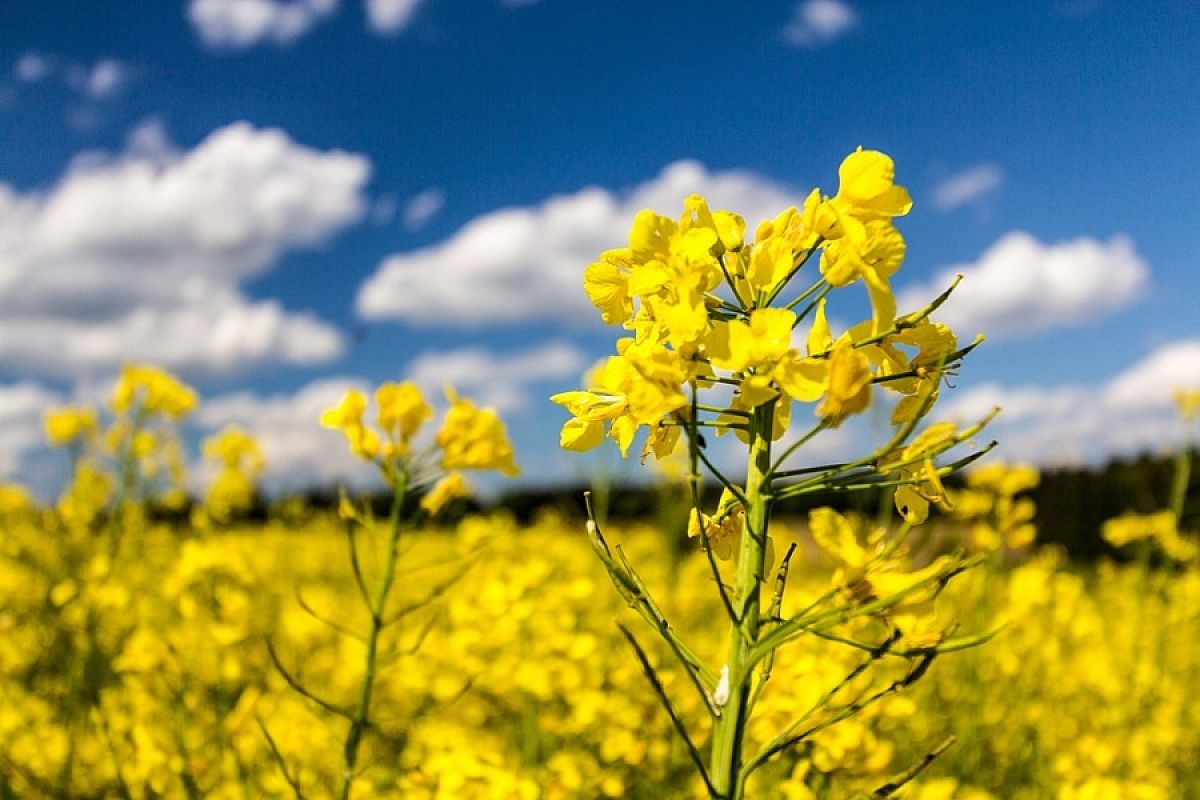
{"x": 1072, "y": 503}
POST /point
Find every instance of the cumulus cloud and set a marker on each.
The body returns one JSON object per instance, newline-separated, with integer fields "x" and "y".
{"x": 514, "y": 265}
{"x": 1150, "y": 383}
{"x": 390, "y": 16}
{"x": 32, "y": 67}
{"x": 98, "y": 81}
{"x": 21, "y": 408}
{"x": 143, "y": 256}
{"x": 104, "y": 79}
{"x": 1079, "y": 423}
{"x": 819, "y": 22}
{"x": 423, "y": 208}
{"x": 500, "y": 381}
{"x": 238, "y": 24}
{"x": 967, "y": 186}
{"x": 1020, "y": 286}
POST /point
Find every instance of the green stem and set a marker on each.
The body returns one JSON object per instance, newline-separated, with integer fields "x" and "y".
{"x": 730, "y": 728}
{"x": 362, "y": 710}
{"x": 1183, "y": 469}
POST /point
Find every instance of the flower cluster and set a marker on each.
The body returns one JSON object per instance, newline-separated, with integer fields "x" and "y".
{"x": 996, "y": 505}
{"x": 240, "y": 463}
{"x": 1160, "y": 528}
{"x": 709, "y": 312}
{"x": 137, "y": 457}
{"x": 469, "y": 438}
{"x": 705, "y": 308}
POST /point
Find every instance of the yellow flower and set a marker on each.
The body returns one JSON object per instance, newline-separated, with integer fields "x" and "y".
{"x": 347, "y": 416}
{"x": 723, "y": 528}
{"x": 1005, "y": 479}
{"x": 70, "y": 424}
{"x": 348, "y": 413}
{"x": 771, "y": 262}
{"x": 862, "y": 573}
{"x": 86, "y": 495}
{"x": 662, "y": 442}
{"x": 234, "y": 447}
{"x": 874, "y": 256}
{"x": 1160, "y": 527}
{"x": 580, "y": 435}
{"x": 641, "y": 386}
{"x": 231, "y": 491}
{"x": 867, "y": 188}
{"x": 14, "y": 499}
{"x": 653, "y": 383}
{"x": 806, "y": 379}
{"x": 1188, "y": 402}
{"x": 759, "y": 343}
{"x": 670, "y": 267}
{"x": 474, "y": 438}
{"x": 607, "y": 285}
{"x": 1001, "y": 519}
{"x": 451, "y": 486}
{"x": 402, "y": 409}
{"x": 913, "y": 499}
{"x": 154, "y": 391}
{"x": 849, "y": 389}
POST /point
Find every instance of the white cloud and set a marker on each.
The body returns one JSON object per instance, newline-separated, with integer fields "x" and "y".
{"x": 390, "y": 16}
{"x": 143, "y": 256}
{"x": 423, "y": 208}
{"x": 21, "y": 408}
{"x": 1149, "y": 383}
{"x": 514, "y": 265}
{"x": 32, "y": 67}
{"x": 1078, "y": 423}
{"x": 819, "y": 22}
{"x": 966, "y": 186}
{"x": 95, "y": 82}
{"x": 104, "y": 79}
{"x": 1021, "y": 286}
{"x": 237, "y": 24}
{"x": 500, "y": 381}
{"x": 149, "y": 140}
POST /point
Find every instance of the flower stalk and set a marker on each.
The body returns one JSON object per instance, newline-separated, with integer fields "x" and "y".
{"x": 710, "y": 312}
{"x": 729, "y": 728}
{"x": 377, "y": 610}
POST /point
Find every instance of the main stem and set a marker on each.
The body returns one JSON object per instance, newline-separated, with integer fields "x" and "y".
{"x": 729, "y": 729}
{"x": 1179, "y": 486}
{"x": 362, "y": 710}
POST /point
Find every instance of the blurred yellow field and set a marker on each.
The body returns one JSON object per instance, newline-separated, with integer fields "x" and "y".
{"x": 150, "y": 676}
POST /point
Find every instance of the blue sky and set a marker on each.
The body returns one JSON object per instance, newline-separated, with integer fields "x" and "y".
{"x": 280, "y": 198}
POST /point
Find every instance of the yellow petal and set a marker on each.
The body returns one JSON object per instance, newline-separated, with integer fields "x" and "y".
{"x": 580, "y": 435}
{"x": 911, "y": 505}
{"x": 820, "y": 337}
{"x": 770, "y": 262}
{"x": 803, "y": 379}
{"x": 836, "y": 537}
{"x": 731, "y": 228}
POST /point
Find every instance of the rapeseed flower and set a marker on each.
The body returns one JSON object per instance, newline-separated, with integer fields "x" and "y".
{"x": 70, "y": 424}
{"x": 474, "y": 438}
